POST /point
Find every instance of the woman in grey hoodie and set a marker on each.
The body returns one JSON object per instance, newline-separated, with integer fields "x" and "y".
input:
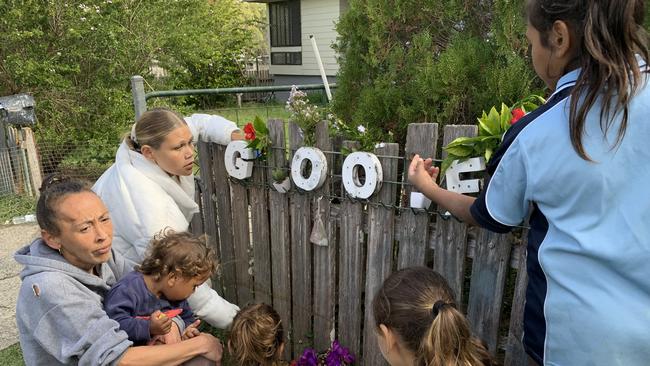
{"x": 67, "y": 272}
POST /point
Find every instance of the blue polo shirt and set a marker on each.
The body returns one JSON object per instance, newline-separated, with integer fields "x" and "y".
{"x": 588, "y": 296}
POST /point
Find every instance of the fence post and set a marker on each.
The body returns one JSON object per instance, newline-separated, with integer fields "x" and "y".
{"x": 280, "y": 235}
{"x": 34, "y": 165}
{"x": 450, "y": 248}
{"x": 422, "y": 139}
{"x": 301, "y": 257}
{"x": 139, "y": 101}
{"x": 352, "y": 269}
{"x": 381, "y": 226}
{"x": 325, "y": 256}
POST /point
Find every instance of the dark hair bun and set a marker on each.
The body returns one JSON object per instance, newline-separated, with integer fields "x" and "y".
{"x": 53, "y": 180}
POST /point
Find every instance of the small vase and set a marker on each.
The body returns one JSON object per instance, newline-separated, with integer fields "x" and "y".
{"x": 284, "y": 186}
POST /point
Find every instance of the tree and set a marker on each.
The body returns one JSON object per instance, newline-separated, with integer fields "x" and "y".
{"x": 76, "y": 58}
{"x": 439, "y": 61}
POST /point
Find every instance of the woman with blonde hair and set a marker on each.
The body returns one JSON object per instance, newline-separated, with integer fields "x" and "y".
{"x": 151, "y": 188}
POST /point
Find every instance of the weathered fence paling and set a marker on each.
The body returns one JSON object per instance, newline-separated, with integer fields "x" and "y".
{"x": 422, "y": 139}
{"x": 380, "y": 248}
{"x": 352, "y": 267}
{"x": 324, "y": 256}
{"x": 327, "y": 290}
{"x": 280, "y": 238}
{"x": 450, "y": 248}
{"x": 260, "y": 235}
{"x": 222, "y": 196}
{"x": 301, "y": 267}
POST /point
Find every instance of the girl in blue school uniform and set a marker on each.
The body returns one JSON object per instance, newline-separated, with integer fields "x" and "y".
{"x": 581, "y": 165}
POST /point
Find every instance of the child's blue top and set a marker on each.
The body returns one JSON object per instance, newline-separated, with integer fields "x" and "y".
{"x": 130, "y": 297}
{"x": 588, "y": 296}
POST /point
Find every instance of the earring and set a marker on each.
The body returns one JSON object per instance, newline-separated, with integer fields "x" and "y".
{"x": 61, "y": 251}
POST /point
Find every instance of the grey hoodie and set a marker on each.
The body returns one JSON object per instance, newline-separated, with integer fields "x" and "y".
{"x": 59, "y": 313}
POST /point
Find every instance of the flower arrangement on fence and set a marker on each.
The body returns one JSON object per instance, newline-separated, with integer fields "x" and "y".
{"x": 307, "y": 115}
{"x": 257, "y": 135}
{"x": 336, "y": 355}
{"x": 367, "y": 137}
{"x": 303, "y": 113}
{"x": 491, "y": 128}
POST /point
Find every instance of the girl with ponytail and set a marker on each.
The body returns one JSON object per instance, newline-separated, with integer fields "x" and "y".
{"x": 418, "y": 323}
{"x": 578, "y": 169}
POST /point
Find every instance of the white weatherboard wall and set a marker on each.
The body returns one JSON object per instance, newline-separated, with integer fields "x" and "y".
{"x": 317, "y": 17}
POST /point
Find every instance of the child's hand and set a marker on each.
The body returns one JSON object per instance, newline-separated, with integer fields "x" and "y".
{"x": 422, "y": 173}
{"x": 159, "y": 323}
{"x": 191, "y": 331}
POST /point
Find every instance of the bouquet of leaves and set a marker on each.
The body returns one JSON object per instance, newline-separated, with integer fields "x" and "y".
{"x": 491, "y": 128}
{"x": 257, "y": 135}
{"x": 336, "y": 355}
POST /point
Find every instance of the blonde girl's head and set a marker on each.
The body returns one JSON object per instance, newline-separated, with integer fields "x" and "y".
{"x": 256, "y": 336}
{"x": 415, "y": 308}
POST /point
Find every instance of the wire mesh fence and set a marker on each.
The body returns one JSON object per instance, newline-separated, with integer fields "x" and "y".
{"x": 28, "y": 159}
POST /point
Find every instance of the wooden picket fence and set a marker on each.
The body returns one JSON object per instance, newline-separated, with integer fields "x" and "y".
{"x": 325, "y": 292}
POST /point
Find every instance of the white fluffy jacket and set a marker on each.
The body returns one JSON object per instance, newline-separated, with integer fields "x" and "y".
{"x": 143, "y": 199}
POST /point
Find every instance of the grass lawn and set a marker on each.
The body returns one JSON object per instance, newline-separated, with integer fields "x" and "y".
{"x": 12, "y": 356}
{"x": 16, "y": 205}
{"x": 248, "y": 112}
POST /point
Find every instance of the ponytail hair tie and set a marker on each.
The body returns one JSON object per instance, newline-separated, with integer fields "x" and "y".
{"x": 134, "y": 138}
{"x": 439, "y": 305}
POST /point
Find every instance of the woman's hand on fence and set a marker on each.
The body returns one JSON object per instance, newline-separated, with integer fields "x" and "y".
{"x": 422, "y": 174}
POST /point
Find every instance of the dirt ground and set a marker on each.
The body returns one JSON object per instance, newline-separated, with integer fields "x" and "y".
{"x": 12, "y": 237}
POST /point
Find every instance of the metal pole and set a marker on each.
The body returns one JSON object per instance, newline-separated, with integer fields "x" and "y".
{"x": 320, "y": 66}
{"x": 139, "y": 101}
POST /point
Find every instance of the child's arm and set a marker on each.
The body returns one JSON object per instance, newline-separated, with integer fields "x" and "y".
{"x": 423, "y": 176}
{"x": 120, "y": 305}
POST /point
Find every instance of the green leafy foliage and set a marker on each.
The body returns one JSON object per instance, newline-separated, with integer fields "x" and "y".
{"x": 439, "y": 61}
{"x": 76, "y": 58}
{"x": 491, "y": 128}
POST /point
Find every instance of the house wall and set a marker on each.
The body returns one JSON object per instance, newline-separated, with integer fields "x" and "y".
{"x": 317, "y": 18}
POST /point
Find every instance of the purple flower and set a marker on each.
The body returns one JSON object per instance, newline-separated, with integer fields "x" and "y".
{"x": 309, "y": 358}
{"x": 338, "y": 355}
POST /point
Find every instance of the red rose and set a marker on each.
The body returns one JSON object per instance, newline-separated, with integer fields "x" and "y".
{"x": 249, "y": 131}
{"x": 517, "y": 113}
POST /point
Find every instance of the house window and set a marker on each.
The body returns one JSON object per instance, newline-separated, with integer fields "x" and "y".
{"x": 286, "y": 58}
{"x": 284, "y": 20}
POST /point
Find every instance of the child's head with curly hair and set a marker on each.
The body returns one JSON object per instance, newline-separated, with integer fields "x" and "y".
{"x": 256, "y": 336}
{"x": 178, "y": 262}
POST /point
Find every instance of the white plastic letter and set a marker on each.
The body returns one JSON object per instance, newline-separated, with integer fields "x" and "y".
{"x": 239, "y": 160}
{"x": 373, "y": 172}
{"x": 318, "y": 173}
{"x": 454, "y": 183}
